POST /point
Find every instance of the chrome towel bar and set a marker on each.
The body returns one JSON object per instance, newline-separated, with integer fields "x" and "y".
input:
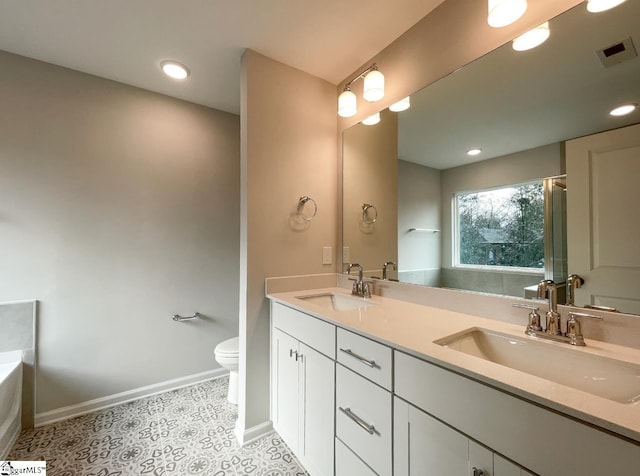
{"x": 179, "y": 318}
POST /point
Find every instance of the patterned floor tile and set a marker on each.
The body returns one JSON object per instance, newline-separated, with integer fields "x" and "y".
{"x": 189, "y": 431}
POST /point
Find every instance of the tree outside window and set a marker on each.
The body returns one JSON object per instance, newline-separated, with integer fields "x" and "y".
{"x": 502, "y": 227}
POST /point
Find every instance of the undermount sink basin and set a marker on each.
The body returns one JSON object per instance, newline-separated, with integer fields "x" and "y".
{"x": 609, "y": 378}
{"x": 338, "y": 302}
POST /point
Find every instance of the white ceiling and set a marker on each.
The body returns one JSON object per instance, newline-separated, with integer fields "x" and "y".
{"x": 125, "y": 40}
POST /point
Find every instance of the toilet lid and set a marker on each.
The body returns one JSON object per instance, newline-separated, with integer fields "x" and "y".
{"x": 228, "y": 347}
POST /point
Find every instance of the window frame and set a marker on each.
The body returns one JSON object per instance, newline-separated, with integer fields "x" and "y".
{"x": 455, "y": 245}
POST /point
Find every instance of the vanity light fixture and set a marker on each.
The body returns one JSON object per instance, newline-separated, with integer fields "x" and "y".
{"x": 372, "y": 120}
{"x": 473, "y": 152}
{"x": 532, "y": 38}
{"x": 347, "y": 103}
{"x": 174, "y": 70}
{"x": 401, "y": 105}
{"x": 597, "y": 6}
{"x": 373, "y": 90}
{"x": 505, "y": 12}
{"x": 623, "y": 110}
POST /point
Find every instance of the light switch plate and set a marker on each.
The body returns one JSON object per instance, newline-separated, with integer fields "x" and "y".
{"x": 326, "y": 255}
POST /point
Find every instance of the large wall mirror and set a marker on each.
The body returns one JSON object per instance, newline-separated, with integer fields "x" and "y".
{"x": 549, "y": 194}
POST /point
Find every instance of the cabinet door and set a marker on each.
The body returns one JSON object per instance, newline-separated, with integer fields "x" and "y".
{"x": 435, "y": 448}
{"x": 423, "y": 445}
{"x": 504, "y": 467}
{"x": 285, "y": 375}
{"x": 480, "y": 460}
{"x": 317, "y": 397}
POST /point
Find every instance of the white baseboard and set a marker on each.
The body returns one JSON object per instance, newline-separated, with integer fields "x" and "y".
{"x": 83, "y": 408}
{"x": 254, "y": 433}
{"x": 10, "y": 440}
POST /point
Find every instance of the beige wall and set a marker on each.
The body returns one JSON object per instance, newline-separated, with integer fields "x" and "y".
{"x": 370, "y": 167}
{"x": 288, "y": 144}
{"x": 119, "y": 207}
{"x": 419, "y": 206}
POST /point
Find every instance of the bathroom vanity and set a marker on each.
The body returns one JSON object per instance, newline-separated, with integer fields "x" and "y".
{"x": 387, "y": 387}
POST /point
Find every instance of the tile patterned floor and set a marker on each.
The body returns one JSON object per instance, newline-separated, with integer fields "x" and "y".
{"x": 179, "y": 433}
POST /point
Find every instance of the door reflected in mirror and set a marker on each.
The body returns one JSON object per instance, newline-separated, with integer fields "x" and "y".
{"x": 519, "y": 109}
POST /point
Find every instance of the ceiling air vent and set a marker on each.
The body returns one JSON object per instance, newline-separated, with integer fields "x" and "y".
{"x": 617, "y": 53}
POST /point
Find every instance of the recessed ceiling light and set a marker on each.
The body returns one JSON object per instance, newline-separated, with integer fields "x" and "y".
{"x": 174, "y": 70}
{"x": 623, "y": 110}
{"x": 532, "y": 38}
{"x": 597, "y": 6}
{"x": 473, "y": 152}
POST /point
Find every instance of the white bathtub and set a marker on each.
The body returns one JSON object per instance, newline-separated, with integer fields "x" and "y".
{"x": 10, "y": 400}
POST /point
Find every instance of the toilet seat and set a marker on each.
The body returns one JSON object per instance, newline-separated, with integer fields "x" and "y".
{"x": 228, "y": 348}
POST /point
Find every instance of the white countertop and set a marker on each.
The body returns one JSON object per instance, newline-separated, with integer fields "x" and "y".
{"x": 413, "y": 328}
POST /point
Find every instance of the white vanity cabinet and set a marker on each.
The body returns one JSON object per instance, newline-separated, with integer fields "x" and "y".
{"x": 302, "y": 386}
{"x": 424, "y": 445}
{"x": 539, "y": 439}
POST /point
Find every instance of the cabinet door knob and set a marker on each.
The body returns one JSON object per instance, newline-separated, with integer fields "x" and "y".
{"x": 292, "y": 352}
{"x": 477, "y": 471}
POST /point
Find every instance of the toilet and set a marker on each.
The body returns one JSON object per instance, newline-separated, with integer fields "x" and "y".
{"x": 227, "y": 356}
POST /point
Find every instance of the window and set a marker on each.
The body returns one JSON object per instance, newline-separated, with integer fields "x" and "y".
{"x": 501, "y": 227}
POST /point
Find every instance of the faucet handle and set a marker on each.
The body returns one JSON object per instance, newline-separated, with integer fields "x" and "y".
{"x": 534, "y": 317}
{"x": 574, "y": 329}
{"x": 366, "y": 289}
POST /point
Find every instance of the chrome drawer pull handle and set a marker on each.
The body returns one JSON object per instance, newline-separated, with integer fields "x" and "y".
{"x": 370, "y": 363}
{"x": 477, "y": 472}
{"x": 361, "y": 423}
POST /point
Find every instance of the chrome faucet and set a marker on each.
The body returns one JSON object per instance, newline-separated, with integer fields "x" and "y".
{"x": 360, "y": 288}
{"x": 573, "y": 336}
{"x": 547, "y": 288}
{"x": 384, "y": 268}
{"x": 573, "y": 282}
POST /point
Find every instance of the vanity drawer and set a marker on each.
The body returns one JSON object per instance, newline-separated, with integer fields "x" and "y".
{"x": 314, "y": 332}
{"x": 363, "y": 419}
{"x": 366, "y": 357}
{"x": 348, "y": 464}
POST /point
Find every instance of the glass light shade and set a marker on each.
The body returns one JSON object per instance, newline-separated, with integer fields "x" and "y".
{"x": 401, "y": 105}
{"x": 347, "y": 104}
{"x": 532, "y": 38}
{"x": 623, "y": 110}
{"x": 372, "y": 120}
{"x": 505, "y": 12}
{"x": 596, "y": 6}
{"x": 373, "y": 89}
{"x": 174, "y": 70}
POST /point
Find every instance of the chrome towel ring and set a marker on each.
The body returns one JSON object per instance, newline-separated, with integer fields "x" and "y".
{"x": 369, "y": 213}
{"x": 301, "y": 203}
